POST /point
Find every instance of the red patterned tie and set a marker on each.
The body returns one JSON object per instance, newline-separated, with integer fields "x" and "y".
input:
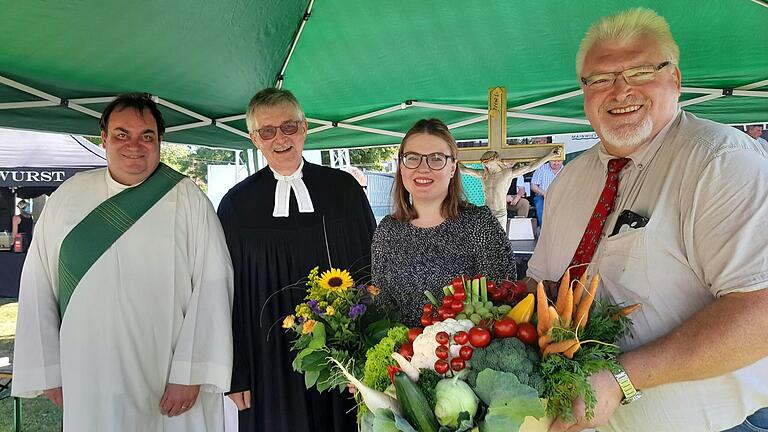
{"x": 596, "y": 223}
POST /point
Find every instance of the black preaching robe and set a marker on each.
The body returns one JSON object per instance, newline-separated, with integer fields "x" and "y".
{"x": 270, "y": 253}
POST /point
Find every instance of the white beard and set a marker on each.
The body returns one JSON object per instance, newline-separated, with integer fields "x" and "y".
{"x": 625, "y": 136}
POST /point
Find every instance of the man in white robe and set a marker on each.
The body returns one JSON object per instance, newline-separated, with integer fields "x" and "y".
{"x": 145, "y": 343}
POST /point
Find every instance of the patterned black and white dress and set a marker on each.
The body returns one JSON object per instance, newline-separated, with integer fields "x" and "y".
{"x": 407, "y": 260}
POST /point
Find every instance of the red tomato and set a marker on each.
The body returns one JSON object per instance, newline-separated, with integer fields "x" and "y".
{"x": 458, "y": 284}
{"x": 490, "y": 285}
{"x": 479, "y": 337}
{"x": 428, "y": 308}
{"x": 457, "y": 306}
{"x": 406, "y": 350}
{"x": 442, "y": 352}
{"x": 447, "y": 300}
{"x": 504, "y": 328}
{"x": 526, "y": 332}
{"x": 450, "y": 313}
{"x": 441, "y": 367}
{"x": 426, "y": 320}
{"x": 466, "y": 352}
{"x": 457, "y": 364}
{"x": 461, "y": 337}
{"x": 412, "y": 333}
{"x": 442, "y": 338}
{"x": 460, "y": 296}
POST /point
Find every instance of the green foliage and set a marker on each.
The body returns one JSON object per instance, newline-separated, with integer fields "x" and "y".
{"x": 509, "y": 401}
{"x": 379, "y": 357}
{"x": 372, "y": 158}
{"x": 193, "y": 161}
{"x": 508, "y": 355}
{"x": 567, "y": 379}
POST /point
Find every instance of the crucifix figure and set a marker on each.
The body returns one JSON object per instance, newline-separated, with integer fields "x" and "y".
{"x": 499, "y": 158}
{"x": 497, "y": 175}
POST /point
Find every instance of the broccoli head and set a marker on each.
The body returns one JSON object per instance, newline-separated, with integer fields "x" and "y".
{"x": 508, "y": 355}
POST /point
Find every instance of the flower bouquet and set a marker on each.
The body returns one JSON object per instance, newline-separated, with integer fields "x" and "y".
{"x": 333, "y": 321}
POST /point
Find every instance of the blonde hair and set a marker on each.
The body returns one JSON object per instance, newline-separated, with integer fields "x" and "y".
{"x": 627, "y": 25}
{"x": 454, "y": 200}
{"x": 268, "y": 98}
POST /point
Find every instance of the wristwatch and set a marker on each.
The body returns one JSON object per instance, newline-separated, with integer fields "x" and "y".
{"x": 631, "y": 394}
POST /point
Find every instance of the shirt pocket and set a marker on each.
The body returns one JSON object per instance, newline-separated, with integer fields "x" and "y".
{"x": 624, "y": 265}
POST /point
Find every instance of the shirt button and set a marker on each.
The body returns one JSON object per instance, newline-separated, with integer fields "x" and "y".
{"x": 640, "y": 166}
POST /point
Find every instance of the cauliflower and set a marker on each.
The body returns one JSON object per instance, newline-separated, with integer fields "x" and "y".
{"x": 424, "y": 345}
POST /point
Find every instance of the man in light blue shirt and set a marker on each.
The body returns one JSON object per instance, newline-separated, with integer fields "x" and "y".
{"x": 540, "y": 182}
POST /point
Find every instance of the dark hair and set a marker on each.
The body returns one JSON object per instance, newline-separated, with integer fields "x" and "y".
{"x": 455, "y": 199}
{"x": 136, "y": 101}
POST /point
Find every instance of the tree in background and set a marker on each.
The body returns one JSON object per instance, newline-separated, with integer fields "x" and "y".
{"x": 372, "y": 159}
{"x": 193, "y": 161}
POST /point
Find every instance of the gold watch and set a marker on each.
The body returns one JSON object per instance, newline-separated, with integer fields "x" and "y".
{"x": 631, "y": 394}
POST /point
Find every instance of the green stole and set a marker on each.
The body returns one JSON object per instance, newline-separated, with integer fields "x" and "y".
{"x": 99, "y": 230}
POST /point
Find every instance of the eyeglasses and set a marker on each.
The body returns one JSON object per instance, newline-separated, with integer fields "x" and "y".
{"x": 289, "y": 127}
{"x": 635, "y": 76}
{"x": 435, "y": 161}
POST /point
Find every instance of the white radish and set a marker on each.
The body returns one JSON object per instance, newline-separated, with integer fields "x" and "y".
{"x": 410, "y": 371}
{"x": 373, "y": 399}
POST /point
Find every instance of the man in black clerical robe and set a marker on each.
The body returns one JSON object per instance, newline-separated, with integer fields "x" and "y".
{"x": 280, "y": 223}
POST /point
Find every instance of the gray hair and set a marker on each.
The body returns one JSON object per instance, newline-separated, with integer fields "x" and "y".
{"x": 268, "y": 98}
{"x": 627, "y": 25}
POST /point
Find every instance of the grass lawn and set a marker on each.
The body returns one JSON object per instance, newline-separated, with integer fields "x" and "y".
{"x": 39, "y": 415}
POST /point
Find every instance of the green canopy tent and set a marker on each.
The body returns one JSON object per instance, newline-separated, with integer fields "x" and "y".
{"x": 363, "y": 70}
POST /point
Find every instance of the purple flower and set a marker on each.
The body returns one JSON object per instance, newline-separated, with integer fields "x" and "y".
{"x": 314, "y": 307}
{"x": 357, "y": 310}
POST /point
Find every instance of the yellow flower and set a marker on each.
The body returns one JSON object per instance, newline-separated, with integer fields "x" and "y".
{"x": 289, "y": 321}
{"x": 303, "y": 311}
{"x": 336, "y": 281}
{"x": 309, "y": 325}
{"x": 373, "y": 290}
{"x": 330, "y": 311}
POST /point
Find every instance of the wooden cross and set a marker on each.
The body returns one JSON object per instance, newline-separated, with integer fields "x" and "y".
{"x": 497, "y": 136}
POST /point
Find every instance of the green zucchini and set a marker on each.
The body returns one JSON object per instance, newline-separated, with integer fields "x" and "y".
{"x": 414, "y": 405}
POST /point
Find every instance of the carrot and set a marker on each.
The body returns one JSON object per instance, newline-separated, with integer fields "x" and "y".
{"x": 554, "y": 317}
{"x": 544, "y": 340}
{"x": 582, "y": 313}
{"x": 541, "y": 309}
{"x": 565, "y": 283}
{"x": 558, "y": 347}
{"x": 625, "y": 311}
{"x": 567, "y": 308}
{"x": 572, "y": 350}
{"x": 578, "y": 291}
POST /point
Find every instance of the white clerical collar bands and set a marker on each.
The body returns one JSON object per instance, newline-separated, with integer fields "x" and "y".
{"x": 283, "y": 193}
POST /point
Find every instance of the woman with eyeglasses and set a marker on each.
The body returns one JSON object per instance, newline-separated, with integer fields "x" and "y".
{"x": 433, "y": 235}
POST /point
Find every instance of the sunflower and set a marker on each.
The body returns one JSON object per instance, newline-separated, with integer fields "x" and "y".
{"x": 336, "y": 281}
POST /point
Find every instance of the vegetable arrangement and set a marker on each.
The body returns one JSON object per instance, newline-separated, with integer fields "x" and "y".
{"x": 488, "y": 358}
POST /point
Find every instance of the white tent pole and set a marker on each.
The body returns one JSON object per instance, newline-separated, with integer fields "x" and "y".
{"x": 761, "y": 3}
{"x": 186, "y": 126}
{"x": 320, "y": 122}
{"x": 230, "y": 118}
{"x": 27, "y": 89}
{"x": 450, "y": 107}
{"x": 548, "y": 118}
{"x": 398, "y": 107}
{"x": 83, "y": 109}
{"x": 183, "y": 110}
{"x": 699, "y": 99}
{"x": 93, "y": 100}
{"x": 304, "y": 19}
{"x": 235, "y": 131}
{"x": 371, "y": 130}
{"x": 251, "y": 161}
{"x": 468, "y": 122}
{"x": 32, "y": 104}
{"x": 547, "y": 100}
{"x": 319, "y": 129}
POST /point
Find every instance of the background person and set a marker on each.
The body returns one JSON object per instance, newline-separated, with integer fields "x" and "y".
{"x": 540, "y": 182}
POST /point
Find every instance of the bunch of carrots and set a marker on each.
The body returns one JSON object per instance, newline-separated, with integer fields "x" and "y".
{"x": 570, "y": 312}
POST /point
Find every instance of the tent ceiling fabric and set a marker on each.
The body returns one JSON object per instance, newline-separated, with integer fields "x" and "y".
{"x": 204, "y": 60}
